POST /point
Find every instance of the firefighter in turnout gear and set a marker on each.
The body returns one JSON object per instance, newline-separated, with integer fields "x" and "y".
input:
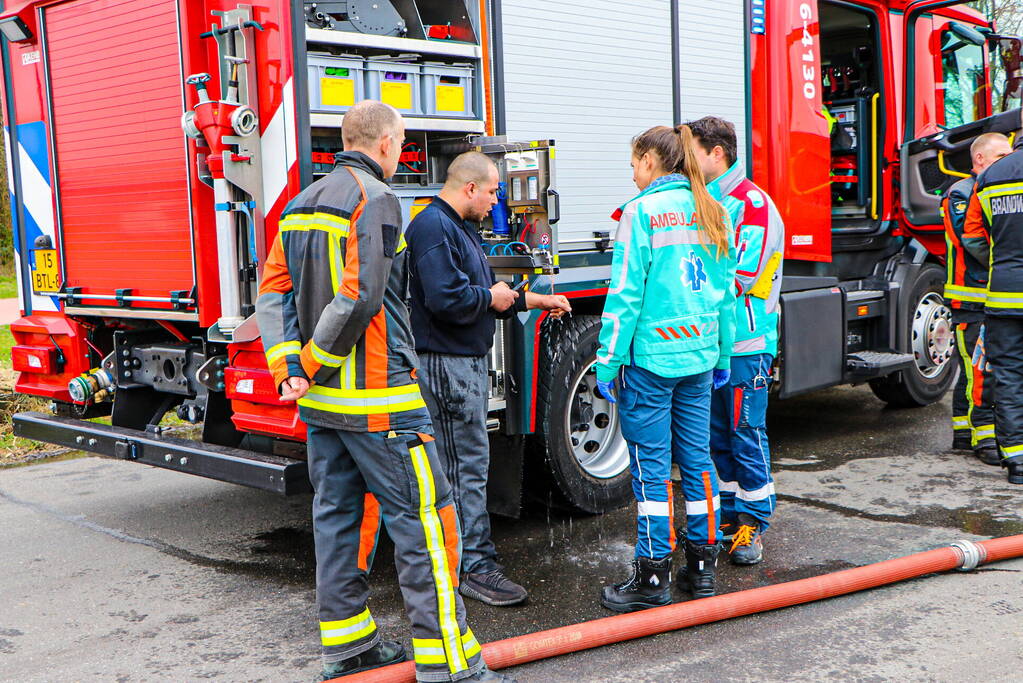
{"x": 332, "y": 313}
{"x": 973, "y": 420}
{"x": 994, "y": 236}
{"x": 667, "y": 333}
{"x": 738, "y": 441}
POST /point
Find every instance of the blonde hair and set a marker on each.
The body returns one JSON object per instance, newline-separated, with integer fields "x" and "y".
{"x": 675, "y": 150}
{"x": 367, "y": 122}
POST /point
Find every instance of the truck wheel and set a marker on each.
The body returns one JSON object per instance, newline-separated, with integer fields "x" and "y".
{"x": 931, "y": 338}
{"x": 578, "y": 439}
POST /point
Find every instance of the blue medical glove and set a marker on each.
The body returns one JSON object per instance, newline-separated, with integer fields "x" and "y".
{"x": 607, "y": 390}
{"x": 720, "y": 378}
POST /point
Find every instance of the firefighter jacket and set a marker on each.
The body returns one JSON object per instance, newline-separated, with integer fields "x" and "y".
{"x": 331, "y": 305}
{"x": 994, "y": 233}
{"x": 760, "y": 247}
{"x": 966, "y": 284}
{"x": 670, "y": 307}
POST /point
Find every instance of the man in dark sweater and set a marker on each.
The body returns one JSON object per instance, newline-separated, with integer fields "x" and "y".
{"x": 455, "y": 302}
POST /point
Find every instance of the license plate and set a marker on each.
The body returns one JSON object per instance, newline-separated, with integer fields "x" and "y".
{"x": 45, "y": 271}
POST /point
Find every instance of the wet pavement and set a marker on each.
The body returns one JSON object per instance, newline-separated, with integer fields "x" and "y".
{"x": 115, "y": 571}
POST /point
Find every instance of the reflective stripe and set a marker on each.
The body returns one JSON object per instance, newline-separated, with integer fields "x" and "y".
{"x": 623, "y": 236}
{"x": 668, "y": 238}
{"x": 1001, "y": 190}
{"x": 363, "y": 401}
{"x": 1009, "y": 451}
{"x": 984, "y": 432}
{"x": 730, "y": 486}
{"x": 653, "y": 508}
{"x": 699, "y": 507}
{"x": 347, "y": 630}
{"x": 748, "y": 345}
{"x": 328, "y": 359}
{"x": 431, "y": 650}
{"x": 283, "y": 349}
{"x": 960, "y": 423}
{"x": 304, "y": 222}
{"x": 402, "y": 244}
{"x": 961, "y": 293}
{"x": 1006, "y": 303}
{"x": 470, "y": 646}
{"x": 446, "y": 603}
{"x": 615, "y": 325}
{"x": 762, "y": 493}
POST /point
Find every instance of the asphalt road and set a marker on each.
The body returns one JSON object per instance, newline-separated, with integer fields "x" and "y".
{"x": 115, "y": 571}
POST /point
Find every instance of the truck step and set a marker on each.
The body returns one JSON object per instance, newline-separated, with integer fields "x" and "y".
{"x": 869, "y": 364}
{"x": 268, "y": 472}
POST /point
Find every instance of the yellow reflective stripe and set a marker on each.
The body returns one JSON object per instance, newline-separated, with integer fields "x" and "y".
{"x": 361, "y": 410}
{"x": 324, "y": 357}
{"x": 403, "y": 390}
{"x": 401, "y": 244}
{"x": 1001, "y": 190}
{"x": 962, "y": 293}
{"x": 364, "y": 401}
{"x": 278, "y": 351}
{"x": 1005, "y": 304}
{"x": 432, "y": 529}
{"x": 984, "y": 432}
{"x": 333, "y": 249}
{"x": 470, "y": 646}
{"x": 1009, "y": 451}
{"x": 1005, "y": 295}
{"x": 304, "y": 222}
{"x": 429, "y": 651}
{"x": 347, "y": 630}
{"x": 967, "y": 357}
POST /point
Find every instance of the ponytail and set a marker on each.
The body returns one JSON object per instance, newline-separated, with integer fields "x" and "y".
{"x": 709, "y": 213}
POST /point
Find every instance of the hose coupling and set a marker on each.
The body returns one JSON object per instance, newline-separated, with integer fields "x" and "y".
{"x": 972, "y": 555}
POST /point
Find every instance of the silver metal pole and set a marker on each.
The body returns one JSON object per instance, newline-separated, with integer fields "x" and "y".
{"x": 227, "y": 251}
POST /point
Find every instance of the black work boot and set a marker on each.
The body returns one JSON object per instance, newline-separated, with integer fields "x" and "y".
{"x": 649, "y": 586}
{"x": 698, "y": 577}
{"x": 747, "y": 547}
{"x": 962, "y": 441}
{"x": 1015, "y": 467}
{"x": 988, "y": 454}
{"x": 492, "y": 588}
{"x": 384, "y": 653}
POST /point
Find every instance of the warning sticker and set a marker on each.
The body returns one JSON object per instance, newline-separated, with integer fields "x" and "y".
{"x": 450, "y": 98}
{"x": 337, "y": 92}
{"x": 802, "y": 240}
{"x": 398, "y": 95}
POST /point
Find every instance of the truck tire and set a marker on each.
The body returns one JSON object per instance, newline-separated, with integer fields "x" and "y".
{"x": 929, "y": 335}
{"x": 578, "y": 442}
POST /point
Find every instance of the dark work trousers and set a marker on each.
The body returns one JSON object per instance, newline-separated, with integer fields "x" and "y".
{"x": 973, "y": 395}
{"x": 1003, "y": 342}
{"x": 361, "y": 479}
{"x": 456, "y": 390}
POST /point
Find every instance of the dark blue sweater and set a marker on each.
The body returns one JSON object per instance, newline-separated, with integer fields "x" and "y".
{"x": 449, "y": 284}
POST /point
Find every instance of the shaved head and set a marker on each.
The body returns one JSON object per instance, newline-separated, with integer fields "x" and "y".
{"x": 367, "y": 122}
{"x": 987, "y": 149}
{"x": 469, "y": 167}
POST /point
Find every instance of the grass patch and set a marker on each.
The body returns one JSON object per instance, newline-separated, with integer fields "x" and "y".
{"x": 8, "y": 287}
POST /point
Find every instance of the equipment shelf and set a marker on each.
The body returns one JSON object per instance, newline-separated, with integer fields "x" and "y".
{"x": 392, "y": 43}
{"x": 444, "y": 125}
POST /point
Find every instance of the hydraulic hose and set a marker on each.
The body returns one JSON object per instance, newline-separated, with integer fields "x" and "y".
{"x": 962, "y": 555}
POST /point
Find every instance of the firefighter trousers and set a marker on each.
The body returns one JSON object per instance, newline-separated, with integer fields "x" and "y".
{"x": 973, "y": 396}
{"x": 1003, "y": 341}
{"x": 665, "y": 420}
{"x": 361, "y": 479}
{"x": 738, "y": 440}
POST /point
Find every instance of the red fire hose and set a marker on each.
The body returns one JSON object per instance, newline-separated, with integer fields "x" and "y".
{"x": 964, "y": 555}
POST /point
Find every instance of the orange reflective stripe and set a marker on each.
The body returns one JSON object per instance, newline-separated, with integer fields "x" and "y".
{"x": 712, "y": 523}
{"x": 450, "y": 526}
{"x": 671, "y": 515}
{"x": 368, "y": 530}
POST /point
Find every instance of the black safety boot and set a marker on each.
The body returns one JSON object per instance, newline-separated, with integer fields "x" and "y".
{"x": 489, "y": 676}
{"x": 698, "y": 577}
{"x": 1015, "y": 467}
{"x": 384, "y": 653}
{"x": 649, "y": 586}
{"x": 988, "y": 455}
{"x": 962, "y": 441}
{"x": 747, "y": 547}
{"x": 492, "y": 588}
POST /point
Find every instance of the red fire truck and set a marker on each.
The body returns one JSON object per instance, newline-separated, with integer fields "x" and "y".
{"x": 152, "y": 145}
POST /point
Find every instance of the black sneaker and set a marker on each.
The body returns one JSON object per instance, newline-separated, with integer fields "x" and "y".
{"x": 384, "y": 653}
{"x": 490, "y": 677}
{"x": 493, "y": 588}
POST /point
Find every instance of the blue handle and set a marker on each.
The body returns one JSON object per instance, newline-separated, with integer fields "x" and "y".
{"x": 499, "y": 214}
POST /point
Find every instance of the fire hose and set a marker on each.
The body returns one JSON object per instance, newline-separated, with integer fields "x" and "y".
{"x": 961, "y": 555}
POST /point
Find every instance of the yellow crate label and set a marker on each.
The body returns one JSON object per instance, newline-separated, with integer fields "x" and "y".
{"x": 450, "y": 98}
{"x": 45, "y": 271}
{"x": 398, "y": 95}
{"x": 337, "y": 92}
{"x": 416, "y": 210}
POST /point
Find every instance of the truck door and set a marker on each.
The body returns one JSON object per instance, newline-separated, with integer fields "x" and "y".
{"x": 978, "y": 88}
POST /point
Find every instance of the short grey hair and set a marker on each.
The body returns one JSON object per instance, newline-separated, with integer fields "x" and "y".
{"x": 367, "y": 122}
{"x": 983, "y": 142}
{"x": 469, "y": 167}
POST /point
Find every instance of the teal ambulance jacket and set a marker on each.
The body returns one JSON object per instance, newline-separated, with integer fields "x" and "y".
{"x": 759, "y": 246}
{"x": 670, "y": 307}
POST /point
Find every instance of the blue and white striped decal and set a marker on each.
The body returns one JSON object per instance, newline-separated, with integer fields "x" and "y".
{"x": 37, "y": 195}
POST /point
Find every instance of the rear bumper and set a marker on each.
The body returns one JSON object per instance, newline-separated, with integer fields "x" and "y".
{"x": 237, "y": 466}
